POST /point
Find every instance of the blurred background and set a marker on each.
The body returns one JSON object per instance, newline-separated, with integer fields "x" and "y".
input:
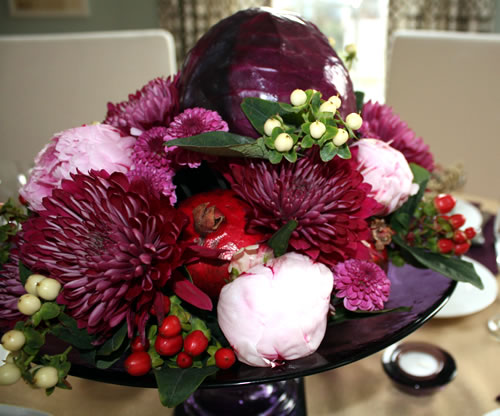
{"x": 367, "y": 23}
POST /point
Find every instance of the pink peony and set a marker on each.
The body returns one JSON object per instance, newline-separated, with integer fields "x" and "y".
{"x": 380, "y": 122}
{"x": 387, "y": 171}
{"x": 98, "y": 146}
{"x": 276, "y": 311}
{"x": 362, "y": 284}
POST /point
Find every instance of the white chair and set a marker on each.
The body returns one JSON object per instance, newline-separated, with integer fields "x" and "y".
{"x": 446, "y": 86}
{"x": 49, "y": 83}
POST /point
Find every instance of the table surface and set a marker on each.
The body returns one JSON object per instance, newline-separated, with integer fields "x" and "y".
{"x": 360, "y": 388}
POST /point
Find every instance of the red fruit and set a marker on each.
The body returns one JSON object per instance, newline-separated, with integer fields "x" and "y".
{"x": 138, "y": 363}
{"x": 445, "y": 245}
{"x": 459, "y": 237}
{"x": 470, "y": 233}
{"x": 462, "y": 248}
{"x": 224, "y": 358}
{"x": 218, "y": 221}
{"x": 457, "y": 220}
{"x": 195, "y": 343}
{"x": 166, "y": 306}
{"x": 137, "y": 345}
{"x": 168, "y": 346}
{"x": 170, "y": 326}
{"x": 184, "y": 360}
{"x": 444, "y": 203}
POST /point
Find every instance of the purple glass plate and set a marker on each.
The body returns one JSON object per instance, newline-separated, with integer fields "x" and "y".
{"x": 423, "y": 290}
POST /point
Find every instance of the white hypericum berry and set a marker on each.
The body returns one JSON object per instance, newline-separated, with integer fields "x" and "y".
{"x": 28, "y": 304}
{"x": 283, "y": 142}
{"x": 335, "y": 100}
{"x": 48, "y": 288}
{"x": 13, "y": 340}
{"x": 354, "y": 121}
{"x": 328, "y": 107}
{"x": 341, "y": 137}
{"x": 10, "y": 358}
{"x": 32, "y": 282}
{"x": 270, "y": 124}
{"x": 350, "y": 49}
{"x": 298, "y": 97}
{"x": 317, "y": 129}
{"x": 9, "y": 374}
{"x": 46, "y": 377}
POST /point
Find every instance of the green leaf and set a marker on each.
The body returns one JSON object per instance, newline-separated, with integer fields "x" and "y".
{"x": 104, "y": 363}
{"x": 275, "y": 157}
{"x": 279, "y": 240}
{"x": 115, "y": 342}
{"x": 307, "y": 142}
{"x": 258, "y": 111}
{"x": 176, "y": 384}
{"x": 360, "y": 97}
{"x": 24, "y": 273}
{"x": 452, "y": 267}
{"x": 220, "y": 143}
{"x": 34, "y": 340}
{"x": 291, "y": 156}
{"x": 400, "y": 219}
{"x": 328, "y": 152}
{"x": 49, "y": 310}
{"x": 344, "y": 152}
{"x": 67, "y": 330}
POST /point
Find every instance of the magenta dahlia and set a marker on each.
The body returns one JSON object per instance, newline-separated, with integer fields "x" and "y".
{"x": 328, "y": 200}
{"x": 112, "y": 244}
{"x": 156, "y": 104}
{"x": 380, "y": 122}
{"x": 10, "y": 290}
{"x": 363, "y": 285}
{"x": 191, "y": 122}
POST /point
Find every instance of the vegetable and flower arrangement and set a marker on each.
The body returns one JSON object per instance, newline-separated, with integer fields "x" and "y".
{"x": 222, "y": 216}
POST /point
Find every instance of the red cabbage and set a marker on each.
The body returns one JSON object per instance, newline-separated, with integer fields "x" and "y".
{"x": 261, "y": 53}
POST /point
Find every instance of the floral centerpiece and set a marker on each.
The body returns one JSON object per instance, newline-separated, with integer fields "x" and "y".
{"x": 227, "y": 214}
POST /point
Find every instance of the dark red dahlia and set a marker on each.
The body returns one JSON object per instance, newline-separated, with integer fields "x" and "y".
{"x": 380, "y": 122}
{"x": 10, "y": 290}
{"x": 111, "y": 243}
{"x": 329, "y": 201}
{"x": 156, "y": 104}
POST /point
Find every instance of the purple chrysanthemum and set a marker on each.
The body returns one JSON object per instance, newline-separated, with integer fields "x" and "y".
{"x": 111, "y": 243}
{"x": 380, "y": 122}
{"x": 10, "y": 290}
{"x": 159, "y": 178}
{"x": 328, "y": 200}
{"x": 156, "y": 104}
{"x": 149, "y": 148}
{"x": 363, "y": 285}
{"x": 191, "y": 122}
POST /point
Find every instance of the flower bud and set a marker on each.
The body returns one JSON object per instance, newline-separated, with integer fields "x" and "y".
{"x": 283, "y": 142}
{"x": 270, "y": 124}
{"x": 32, "y": 283}
{"x": 335, "y": 100}
{"x": 328, "y": 107}
{"x": 350, "y": 49}
{"x": 283, "y": 315}
{"x": 298, "y": 97}
{"x": 341, "y": 137}
{"x": 354, "y": 121}
{"x": 28, "y": 304}
{"x": 317, "y": 129}
{"x": 48, "y": 289}
{"x": 13, "y": 340}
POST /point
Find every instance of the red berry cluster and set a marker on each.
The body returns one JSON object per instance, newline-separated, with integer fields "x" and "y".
{"x": 170, "y": 342}
{"x": 455, "y": 241}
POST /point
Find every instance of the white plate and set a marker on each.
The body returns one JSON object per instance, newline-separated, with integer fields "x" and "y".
{"x": 468, "y": 299}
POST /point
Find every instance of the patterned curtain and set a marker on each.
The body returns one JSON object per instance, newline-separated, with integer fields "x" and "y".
{"x": 188, "y": 20}
{"x": 457, "y": 15}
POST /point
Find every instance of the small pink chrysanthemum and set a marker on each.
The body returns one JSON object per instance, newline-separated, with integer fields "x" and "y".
{"x": 10, "y": 290}
{"x": 363, "y": 285}
{"x": 159, "y": 178}
{"x": 149, "y": 148}
{"x": 156, "y": 104}
{"x": 380, "y": 122}
{"x": 191, "y": 122}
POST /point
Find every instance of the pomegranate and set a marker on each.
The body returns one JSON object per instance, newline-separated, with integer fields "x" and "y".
{"x": 217, "y": 221}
